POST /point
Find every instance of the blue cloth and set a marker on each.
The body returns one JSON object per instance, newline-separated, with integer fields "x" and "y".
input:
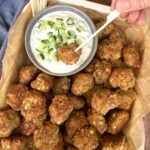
{"x": 9, "y": 11}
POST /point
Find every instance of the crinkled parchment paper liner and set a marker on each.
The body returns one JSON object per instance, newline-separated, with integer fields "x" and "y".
{"x": 15, "y": 57}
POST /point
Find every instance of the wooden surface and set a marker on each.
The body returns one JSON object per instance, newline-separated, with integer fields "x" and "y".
{"x": 146, "y": 118}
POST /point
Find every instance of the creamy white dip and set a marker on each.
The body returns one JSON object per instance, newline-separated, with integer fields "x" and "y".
{"x": 49, "y": 61}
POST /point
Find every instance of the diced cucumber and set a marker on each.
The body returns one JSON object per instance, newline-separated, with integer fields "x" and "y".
{"x": 50, "y": 34}
{"x": 52, "y": 41}
{"x": 41, "y": 56}
{"x": 43, "y": 25}
{"x": 78, "y": 41}
{"x": 45, "y": 41}
{"x": 61, "y": 31}
{"x": 65, "y": 39}
{"x": 50, "y": 50}
{"x": 55, "y": 56}
{"x": 59, "y": 40}
{"x": 50, "y": 23}
{"x": 72, "y": 34}
{"x": 54, "y": 26}
{"x": 70, "y": 21}
{"x": 80, "y": 28}
{"x": 59, "y": 21}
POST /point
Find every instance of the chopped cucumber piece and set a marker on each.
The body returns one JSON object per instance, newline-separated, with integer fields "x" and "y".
{"x": 80, "y": 28}
{"x": 54, "y": 26}
{"x": 59, "y": 39}
{"x": 59, "y": 21}
{"x": 50, "y": 23}
{"x": 70, "y": 21}
{"x": 43, "y": 25}
{"x": 50, "y": 34}
{"x": 41, "y": 56}
{"x": 65, "y": 39}
{"x": 52, "y": 41}
{"x": 55, "y": 56}
{"x": 72, "y": 34}
{"x": 50, "y": 50}
{"x": 45, "y": 41}
{"x": 78, "y": 41}
{"x": 61, "y": 31}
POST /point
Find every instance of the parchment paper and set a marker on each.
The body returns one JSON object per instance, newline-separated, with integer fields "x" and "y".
{"x": 16, "y": 56}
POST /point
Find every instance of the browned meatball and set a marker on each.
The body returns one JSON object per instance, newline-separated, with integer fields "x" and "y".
{"x": 131, "y": 56}
{"x": 71, "y": 148}
{"x": 60, "y": 109}
{"x": 88, "y": 95}
{"x": 86, "y": 138}
{"x": 115, "y": 142}
{"x": 107, "y": 31}
{"x": 98, "y": 121}
{"x": 9, "y": 120}
{"x": 102, "y": 72}
{"x": 43, "y": 82}
{"x": 26, "y": 127}
{"x": 27, "y": 74}
{"x": 104, "y": 100}
{"x": 119, "y": 37}
{"x": 109, "y": 50}
{"x": 14, "y": 96}
{"x": 68, "y": 55}
{"x": 77, "y": 102}
{"x": 47, "y": 136}
{"x": 123, "y": 78}
{"x": 91, "y": 67}
{"x": 117, "y": 121}
{"x": 126, "y": 99}
{"x": 82, "y": 83}
{"x": 33, "y": 105}
{"x": 14, "y": 143}
{"x": 61, "y": 85}
{"x": 76, "y": 121}
{"x": 60, "y": 144}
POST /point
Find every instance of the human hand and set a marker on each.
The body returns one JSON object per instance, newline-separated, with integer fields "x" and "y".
{"x": 133, "y": 10}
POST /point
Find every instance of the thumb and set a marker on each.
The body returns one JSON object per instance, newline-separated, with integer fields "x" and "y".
{"x": 132, "y": 5}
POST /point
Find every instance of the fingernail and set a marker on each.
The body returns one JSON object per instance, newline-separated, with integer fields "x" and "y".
{"x": 122, "y": 5}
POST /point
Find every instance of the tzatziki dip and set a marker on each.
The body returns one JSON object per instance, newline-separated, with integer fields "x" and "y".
{"x": 56, "y": 30}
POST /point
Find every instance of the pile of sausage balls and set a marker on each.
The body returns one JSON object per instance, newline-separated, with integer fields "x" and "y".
{"x": 85, "y": 111}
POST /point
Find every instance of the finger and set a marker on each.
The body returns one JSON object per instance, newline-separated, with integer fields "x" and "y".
{"x": 113, "y": 4}
{"x": 124, "y": 15}
{"x": 142, "y": 18}
{"x": 133, "y": 16}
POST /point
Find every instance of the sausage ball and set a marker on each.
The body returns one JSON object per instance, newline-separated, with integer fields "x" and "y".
{"x": 131, "y": 56}
{"x": 119, "y": 37}
{"x": 86, "y": 138}
{"x": 68, "y": 55}
{"x": 117, "y": 121}
{"x": 82, "y": 83}
{"x": 43, "y": 82}
{"x": 115, "y": 142}
{"x": 91, "y": 67}
{"x": 126, "y": 99}
{"x": 123, "y": 78}
{"x": 14, "y": 143}
{"x": 77, "y": 102}
{"x": 104, "y": 100}
{"x": 107, "y": 31}
{"x": 33, "y": 105}
{"x": 47, "y": 136}
{"x": 109, "y": 50}
{"x": 88, "y": 95}
{"x": 9, "y": 120}
{"x": 61, "y": 85}
{"x": 102, "y": 72}
{"x": 76, "y": 121}
{"x": 14, "y": 96}
{"x": 60, "y": 109}
{"x": 98, "y": 121}
{"x": 71, "y": 148}
{"x": 26, "y": 127}
{"x": 27, "y": 74}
